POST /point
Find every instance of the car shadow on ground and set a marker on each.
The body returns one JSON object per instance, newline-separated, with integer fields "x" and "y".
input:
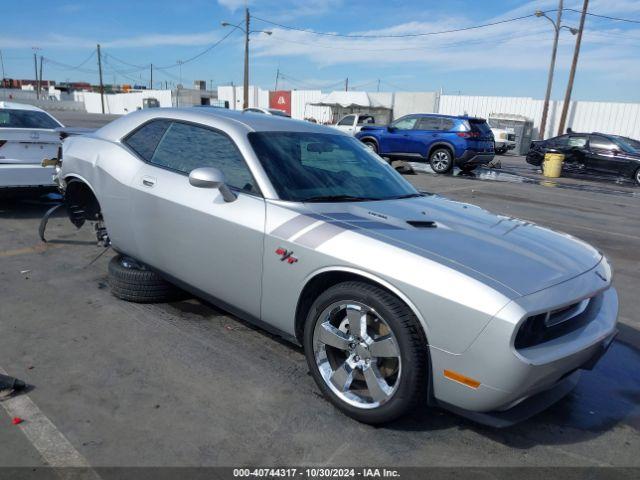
{"x": 26, "y": 205}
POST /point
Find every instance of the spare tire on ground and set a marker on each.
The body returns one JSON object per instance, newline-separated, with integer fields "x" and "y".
{"x": 134, "y": 282}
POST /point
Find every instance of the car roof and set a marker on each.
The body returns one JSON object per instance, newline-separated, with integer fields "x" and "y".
{"x": 19, "y": 106}
{"x": 229, "y": 121}
{"x": 440, "y": 115}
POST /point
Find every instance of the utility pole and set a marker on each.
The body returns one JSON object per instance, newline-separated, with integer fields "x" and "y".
{"x": 35, "y": 62}
{"x": 574, "y": 65}
{"x": 101, "y": 84}
{"x": 2, "y": 64}
{"x": 545, "y": 108}
{"x": 245, "y": 92}
{"x": 151, "y": 80}
{"x": 346, "y": 84}
{"x": 277, "y": 78}
{"x": 40, "y": 78}
{"x": 378, "y": 89}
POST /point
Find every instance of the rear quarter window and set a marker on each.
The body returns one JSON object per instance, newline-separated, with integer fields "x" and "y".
{"x": 145, "y": 139}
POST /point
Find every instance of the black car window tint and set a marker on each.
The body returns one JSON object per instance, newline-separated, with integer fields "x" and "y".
{"x": 348, "y": 120}
{"x": 429, "y": 123}
{"x": 145, "y": 140}
{"x": 602, "y": 143}
{"x": 186, "y": 147}
{"x": 11, "y": 118}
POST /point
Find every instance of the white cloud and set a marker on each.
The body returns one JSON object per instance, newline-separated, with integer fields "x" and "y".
{"x": 233, "y": 5}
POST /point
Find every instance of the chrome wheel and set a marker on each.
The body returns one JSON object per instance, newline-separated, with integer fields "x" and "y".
{"x": 638, "y": 176}
{"x": 357, "y": 354}
{"x": 440, "y": 161}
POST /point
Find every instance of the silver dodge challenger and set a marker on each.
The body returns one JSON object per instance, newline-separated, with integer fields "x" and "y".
{"x": 400, "y": 298}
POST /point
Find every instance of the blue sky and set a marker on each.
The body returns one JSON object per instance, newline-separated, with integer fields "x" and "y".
{"x": 506, "y": 59}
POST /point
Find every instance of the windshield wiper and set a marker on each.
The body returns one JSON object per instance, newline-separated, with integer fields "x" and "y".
{"x": 339, "y": 198}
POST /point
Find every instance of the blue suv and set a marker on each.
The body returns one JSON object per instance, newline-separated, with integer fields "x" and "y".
{"x": 442, "y": 140}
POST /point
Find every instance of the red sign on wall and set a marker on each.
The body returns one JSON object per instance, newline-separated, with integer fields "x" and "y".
{"x": 280, "y": 99}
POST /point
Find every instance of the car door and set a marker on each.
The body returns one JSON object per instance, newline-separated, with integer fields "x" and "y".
{"x": 605, "y": 155}
{"x": 347, "y": 124}
{"x": 397, "y": 138}
{"x": 428, "y": 129}
{"x": 191, "y": 234}
{"x": 574, "y": 148}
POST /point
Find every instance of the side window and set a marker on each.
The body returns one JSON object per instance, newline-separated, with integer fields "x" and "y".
{"x": 347, "y": 121}
{"x": 602, "y": 143}
{"x": 186, "y": 147}
{"x": 145, "y": 140}
{"x": 406, "y": 123}
{"x": 366, "y": 120}
{"x": 579, "y": 142}
{"x": 559, "y": 142}
{"x": 448, "y": 124}
{"x": 429, "y": 123}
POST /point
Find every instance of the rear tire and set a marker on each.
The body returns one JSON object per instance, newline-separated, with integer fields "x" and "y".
{"x": 637, "y": 176}
{"x": 365, "y": 381}
{"x": 131, "y": 281}
{"x": 441, "y": 160}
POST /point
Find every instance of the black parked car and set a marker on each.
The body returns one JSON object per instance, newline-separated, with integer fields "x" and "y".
{"x": 598, "y": 152}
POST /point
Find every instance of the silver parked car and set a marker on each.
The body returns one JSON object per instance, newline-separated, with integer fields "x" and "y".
{"x": 397, "y": 296}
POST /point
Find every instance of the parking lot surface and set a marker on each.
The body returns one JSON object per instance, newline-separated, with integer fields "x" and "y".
{"x": 187, "y": 384}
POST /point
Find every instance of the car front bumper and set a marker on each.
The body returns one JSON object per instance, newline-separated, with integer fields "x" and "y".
{"x": 515, "y": 384}
{"x": 471, "y": 157}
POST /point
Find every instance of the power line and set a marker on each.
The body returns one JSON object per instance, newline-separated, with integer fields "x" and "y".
{"x": 205, "y": 51}
{"x": 403, "y": 35}
{"x": 617, "y": 19}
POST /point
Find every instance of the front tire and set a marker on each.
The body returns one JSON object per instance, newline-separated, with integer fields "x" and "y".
{"x": 441, "y": 160}
{"x": 367, "y": 352}
{"x": 636, "y": 176}
{"x": 372, "y": 145}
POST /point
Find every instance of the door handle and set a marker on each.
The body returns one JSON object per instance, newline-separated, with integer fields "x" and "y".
{"x": 148, "y": 181}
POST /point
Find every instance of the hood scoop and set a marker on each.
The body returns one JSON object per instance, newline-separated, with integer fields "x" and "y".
{"x": 422, "y": 223}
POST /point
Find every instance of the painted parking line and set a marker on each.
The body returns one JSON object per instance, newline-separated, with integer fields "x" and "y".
{"x": 50, "y": 443}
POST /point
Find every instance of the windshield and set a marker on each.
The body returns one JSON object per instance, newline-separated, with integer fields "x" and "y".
{"x": 308, "y": 167}
{"x": 628, "y": 144}
{"x": 10, "y": 118}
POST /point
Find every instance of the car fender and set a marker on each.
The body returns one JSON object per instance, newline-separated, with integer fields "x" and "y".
{"x": 373, "y": 278}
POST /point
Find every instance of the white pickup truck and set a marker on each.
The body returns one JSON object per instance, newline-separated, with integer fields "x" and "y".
{"x": 354, "y": 122}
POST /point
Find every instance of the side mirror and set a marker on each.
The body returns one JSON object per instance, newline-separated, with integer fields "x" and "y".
{"x": 209, "y": 177}
{"x": 391, "y": 129}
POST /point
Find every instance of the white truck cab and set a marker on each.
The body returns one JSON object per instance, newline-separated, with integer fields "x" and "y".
{"x": 354, "y": 122}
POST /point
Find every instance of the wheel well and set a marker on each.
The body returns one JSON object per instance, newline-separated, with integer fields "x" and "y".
{"x": 81, "y": 202}
{"x": 441, "y": 145}
{"x": 319, "y": 284}
{"x": 369, "y": 139}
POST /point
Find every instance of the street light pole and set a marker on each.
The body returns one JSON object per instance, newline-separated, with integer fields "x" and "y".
{"x": 574, "y": 65}
{"x": 552, "y": 65}
{"x": 245, "y": 100}
{"x": 247, "y": 32}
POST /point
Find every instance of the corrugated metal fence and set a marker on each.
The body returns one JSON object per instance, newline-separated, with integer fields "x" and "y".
{"x": 606, "y": 117}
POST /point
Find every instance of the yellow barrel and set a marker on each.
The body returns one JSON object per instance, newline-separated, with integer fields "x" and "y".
{"x": 552, "y": 165}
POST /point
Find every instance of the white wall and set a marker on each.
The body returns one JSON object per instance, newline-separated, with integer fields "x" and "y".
{"x": 257, "y": 96}
{"x": 121, "y": 103}
{"x": 606, "y": 117}
{"x": 300, "y": 108}
{"x": 405, "y": 103}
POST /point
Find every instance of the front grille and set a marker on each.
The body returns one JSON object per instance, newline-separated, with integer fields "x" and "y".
{"x": 546, "y": 326}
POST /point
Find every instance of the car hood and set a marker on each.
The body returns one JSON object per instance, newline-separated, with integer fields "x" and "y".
{"x": 519, "y": 255}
